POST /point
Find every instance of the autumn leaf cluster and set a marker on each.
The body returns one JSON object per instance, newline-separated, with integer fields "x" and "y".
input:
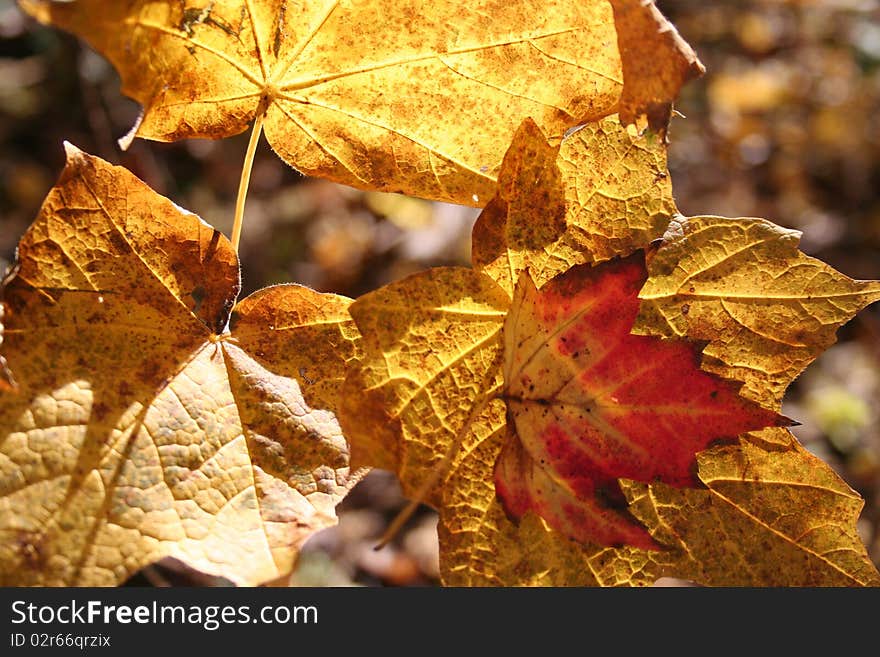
{"x": 596, "y": 400}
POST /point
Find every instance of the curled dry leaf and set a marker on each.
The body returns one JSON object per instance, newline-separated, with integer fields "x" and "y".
{"x": 141, "y": 427}
{"x": 347, "y": 87}
{"x": 656, "y": 63}
{"x": 433, "y": 394}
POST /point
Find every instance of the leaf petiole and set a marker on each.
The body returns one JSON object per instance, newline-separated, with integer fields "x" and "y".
{"x": 439, "y": 471}
{"x": 406, "y": 512}
{"x": 256, "y": 131}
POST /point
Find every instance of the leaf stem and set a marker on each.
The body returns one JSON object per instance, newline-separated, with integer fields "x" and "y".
{"x": 256, "y": 131}
{"x": 439, "y": 471}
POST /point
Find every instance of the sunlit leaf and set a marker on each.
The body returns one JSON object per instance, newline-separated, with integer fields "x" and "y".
{"x": 766, "y": 309}
{"x": 590, "y": 404}
{"x": 407, "y": 96}
{"x": 443, "y": 393}
{"x": 141, "y": 427}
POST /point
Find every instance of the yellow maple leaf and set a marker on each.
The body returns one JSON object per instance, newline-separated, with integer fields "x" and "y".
{"x": 603, "y": 192}
{"x": 766, "y": 309}
{"x": 429, "y": 399}
{"x": 766, "y": 517}
{"x": 141, "y": 427}
{"x": 420, "y": 98}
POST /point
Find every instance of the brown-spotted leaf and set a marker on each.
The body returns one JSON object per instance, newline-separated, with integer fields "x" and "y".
{"x": 590, "y": 404}
{"x": 430, "y": 401}
{"x": 766, "y": 309}
{"x": 6, "y": 380}
{"x": 272, "y": 324}
{"x": 432, "y": 343}
{"x": 656, "y": 63}
{"x": 804, "y": 536}
{"x": 444, "y": 419}
{"x": 395, "y": 95}
{"x": 140, "y": 428}
{"x": 765, "y": 518}
{"x": 481, "y": 546}
{"x": 603, "y": 192}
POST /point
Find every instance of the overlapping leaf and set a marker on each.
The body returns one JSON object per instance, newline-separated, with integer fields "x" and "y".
{"x": 421, "y": 98}
{"x": 428, "y": 400}
{"x": 767, "y": 517}
{"x": 712, "y": 274}
{"x": 140, "y": 427}
{"x": 440, "y": 331}
{"x": 656, "y": 62}
{"x": 589, "y": 404}
{"x": 603, "y": 192}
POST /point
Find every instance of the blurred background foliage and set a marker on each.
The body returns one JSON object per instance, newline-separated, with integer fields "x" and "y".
{"x": 784, "y": 125}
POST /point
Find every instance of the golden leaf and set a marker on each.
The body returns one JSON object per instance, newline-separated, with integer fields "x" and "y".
{"x": 767, "y": 518}
{"x": 603, "y": 192}
{"x": 140, "y": 427}
{"x": 429, "y": 401}
{"x": 766, "y": 309}
{"x": 412, "y": 97}
{"x": 656, "y": 63}
{"x": 439, "y": 333}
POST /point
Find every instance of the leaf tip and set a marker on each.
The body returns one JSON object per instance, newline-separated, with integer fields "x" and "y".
{"x": 72, "y": 152}
{"x": 7, "y": 380}
{"x": 75, "y": 159}
{"x": 530, "y": 125}
{"x": 125, "y": 140}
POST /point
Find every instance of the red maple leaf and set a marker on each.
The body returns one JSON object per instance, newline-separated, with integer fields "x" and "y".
{"x": 590, "y": 403}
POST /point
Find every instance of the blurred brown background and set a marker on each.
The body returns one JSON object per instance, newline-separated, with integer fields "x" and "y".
{"x": 784, "y": 125}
